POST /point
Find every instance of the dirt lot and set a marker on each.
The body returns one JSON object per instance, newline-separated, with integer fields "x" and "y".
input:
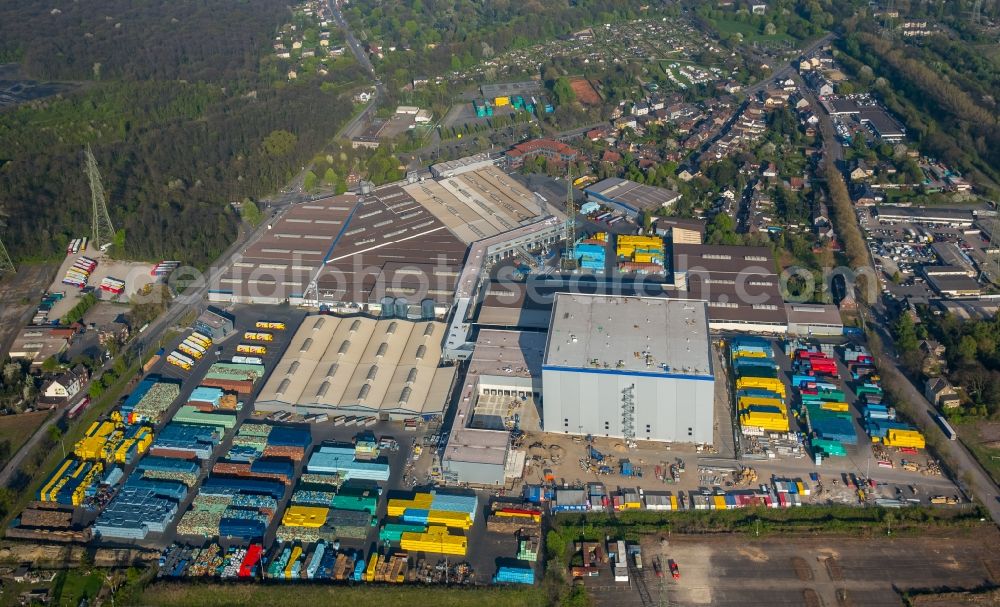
{"x": 585, "y": 92}
{"x": 828, "y": 572}
{"x": 18, "y": 297}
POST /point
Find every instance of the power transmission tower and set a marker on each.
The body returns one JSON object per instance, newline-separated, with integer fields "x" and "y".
{"x": 569, "y": 258}
{"x": 102, "y": 232}
{"x": 6, "y": 265}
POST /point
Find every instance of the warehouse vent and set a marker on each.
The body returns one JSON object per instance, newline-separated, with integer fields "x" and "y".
{"x": 421, "y": 352}
{"x": 382, "y": 349}
{"x": 306, "y": 345}
{"x": 332, "y": 370}
{"x": 372, "y": 372}
{"x": 411, "y": 376}
{"x": 354, "y": 231}
{"x": 283, "y": 386}
{"x": 292, "y": 368}
{"x": 404, "y": 396}
{"x": 363, "y": 392}
{"x": 392, "y": 328}
{"x": 355, "y": 325}
{"x": 323, "y": 387}
{"x": 428, "y": 329}
{"x": 318, "y": 324}
{"x": 344, "y": 347}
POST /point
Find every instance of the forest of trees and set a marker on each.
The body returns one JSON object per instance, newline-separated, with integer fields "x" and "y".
{"x": 179, "y": 119}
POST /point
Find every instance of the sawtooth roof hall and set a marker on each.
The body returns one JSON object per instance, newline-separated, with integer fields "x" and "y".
{"x": 362, "y": 366}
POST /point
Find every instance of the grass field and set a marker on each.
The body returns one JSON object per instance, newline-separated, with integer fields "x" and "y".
{"x": 17, "y": 429}
{"x": 983, "y": 439}
{"x": 188, "y": 594}
{"x": 74, "y": 586}
{"x": 749, "y": 31}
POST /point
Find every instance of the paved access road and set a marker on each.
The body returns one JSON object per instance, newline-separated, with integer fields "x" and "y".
{"x": 362, "y": 57}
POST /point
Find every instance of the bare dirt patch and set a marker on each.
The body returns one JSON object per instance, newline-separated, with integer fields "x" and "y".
{"x": 802, "y": 569}
{"x": 585, "y": 92}
{"x": 19, "y": 295}
{"x": 811, "y": 599}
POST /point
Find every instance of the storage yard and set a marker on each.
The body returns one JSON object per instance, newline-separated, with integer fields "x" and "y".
{"x": 109, "y": 278}
{"x": 732, "y": 569}
{"x": 190, "y": 465}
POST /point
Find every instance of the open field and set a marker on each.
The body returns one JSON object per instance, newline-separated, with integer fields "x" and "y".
{"x": 804, "y": 570}
{"x": 750, "y": 33}
{"x": 16, "y": 429}
{"x": 983, "y": 439}
{"x": 18, "y": 297}
{"x": 224, "y": 595}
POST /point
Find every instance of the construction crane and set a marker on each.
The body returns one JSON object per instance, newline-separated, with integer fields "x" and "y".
{"x": 102, "y": 232}
{"x": 569, "y": 262}
{"x": 6, "y": 265}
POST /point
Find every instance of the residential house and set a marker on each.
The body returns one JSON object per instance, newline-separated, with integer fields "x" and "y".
{"x": 770, "y": 171}
{"x": 940, "y": 392}
{"x": 932, "y": 363}
{"x": 861, "y": 170}
{"x": 554, "y": 151}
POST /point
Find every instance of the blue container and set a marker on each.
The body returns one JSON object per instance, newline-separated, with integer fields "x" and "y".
{"x": 284, "y": 436}
{"x": 272, "y": 466}
{"x": 416, "y": 515}
{"x": 514, "y": 575}
{"x": 247, "y": 529}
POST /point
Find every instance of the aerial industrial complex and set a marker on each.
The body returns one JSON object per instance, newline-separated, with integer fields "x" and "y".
{"x": 376, "y": 364}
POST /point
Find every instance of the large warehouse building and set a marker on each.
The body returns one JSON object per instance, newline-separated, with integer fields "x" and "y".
{"x": 638, "y": 368}
{"x": 361, "y": 366}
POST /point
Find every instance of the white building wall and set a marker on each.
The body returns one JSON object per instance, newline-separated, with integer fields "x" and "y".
{"x": 674, "y": 409}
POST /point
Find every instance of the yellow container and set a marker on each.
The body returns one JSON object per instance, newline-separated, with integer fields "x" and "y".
{"x": 774, "y": 385}
{"x": 296, "y": 553}
{"x": 719, "y": 502}
{"x": 834, "y": 406}
{"x": 501, "y": 101}
{"x": 44, "y": 493}
{"x": 673, "y": 502}
{"x": 748, "y": 354}
{"x": 372, "y": 567}
{"x": 436, "y": 539}
{"x": 305, "y": 516}
{"x": 904, "y": 438}
{"x": 748, "y": 401}
{"x": 460, "y": 520}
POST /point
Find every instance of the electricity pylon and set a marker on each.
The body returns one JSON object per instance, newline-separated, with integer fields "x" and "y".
{"x": 102, "y": 232}
{"x": 6, "y": 265}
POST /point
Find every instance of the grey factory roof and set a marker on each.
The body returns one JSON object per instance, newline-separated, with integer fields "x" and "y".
{"x": 648, "y": 335}
{"x": 381, "y": 244}
{"x": 813, "y": 314}
{"x": 450, "y": 166}
{"x": 635, "y": 195}
{"x": 954, "y": 285}
{"x": 358, "y": 362}
{"x": 935, "y": 214}
{"x": 478, "y": 204}
{"x": 886, "y": 125}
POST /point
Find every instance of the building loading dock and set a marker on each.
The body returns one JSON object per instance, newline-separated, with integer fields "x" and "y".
{"x": 503, "y": 380}
{"x": 637, "y": 368}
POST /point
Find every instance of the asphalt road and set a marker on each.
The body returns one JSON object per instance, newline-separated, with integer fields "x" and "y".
{"x": 362, "y": 57}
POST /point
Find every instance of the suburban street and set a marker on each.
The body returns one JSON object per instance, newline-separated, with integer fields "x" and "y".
{"x": 362, "y": 57}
